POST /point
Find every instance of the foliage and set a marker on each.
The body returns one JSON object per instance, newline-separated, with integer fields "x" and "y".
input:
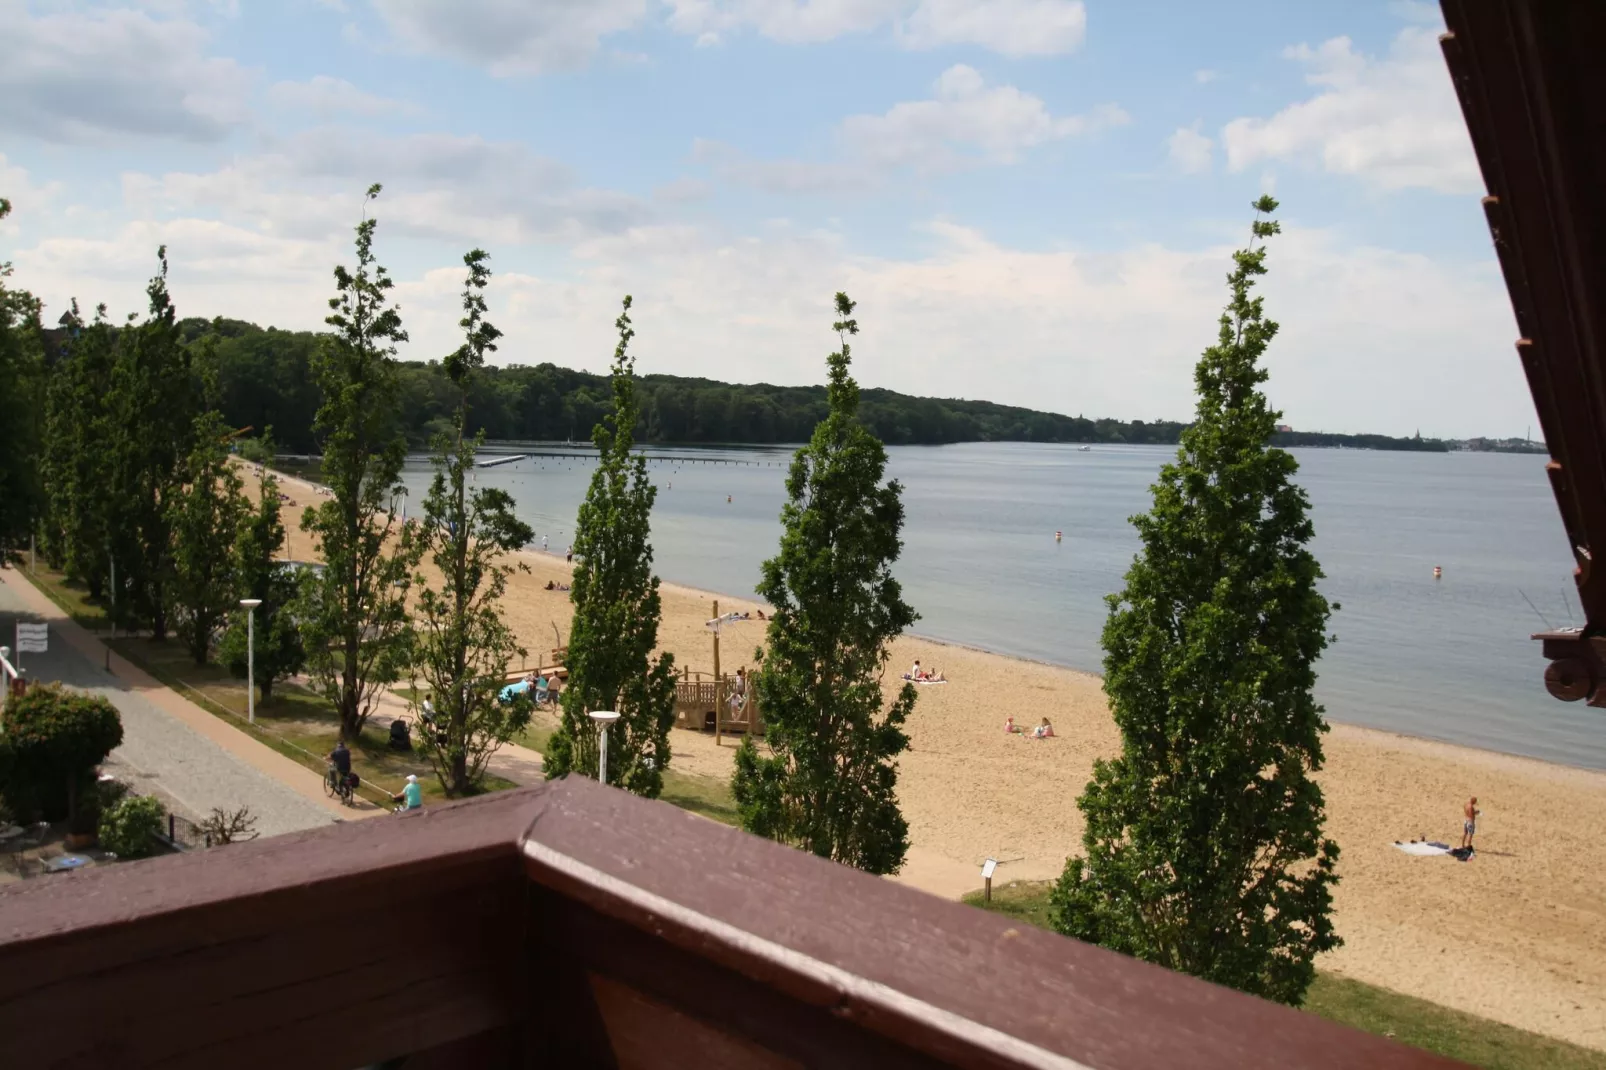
{"x": 617, "y": 609}
{"x": 828, "y": 784}
{"x": 354, "y": 614}
{"x": 153, "y": 403}
{"x": 206, "y": 516}
{"x": 76, "y": 462}
{"x": 53, "y": 740}
{"x": 463, "y": 645}
{"x": 223, "y": 827}
{"x": 1442, "y": 1030}
{"x": 22, "y": 387}
{"x": 278, "y": 649}
{"x": 130, "y": 828}
{"x": 1203, "y": 846}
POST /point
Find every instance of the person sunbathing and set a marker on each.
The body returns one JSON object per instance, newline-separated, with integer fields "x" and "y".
{"x": 1043, "y": 731}
{"x": 1010, "y": 726}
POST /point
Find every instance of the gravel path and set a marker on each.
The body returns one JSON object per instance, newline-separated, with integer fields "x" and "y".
{"x": 166, "y": 756}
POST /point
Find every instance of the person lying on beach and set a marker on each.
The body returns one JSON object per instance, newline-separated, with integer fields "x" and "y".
{"x": 1043, "y": 731}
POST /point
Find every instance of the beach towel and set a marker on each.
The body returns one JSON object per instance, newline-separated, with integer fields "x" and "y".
{"x": 926, "y": 681}
{"x": 1417, "y": 847}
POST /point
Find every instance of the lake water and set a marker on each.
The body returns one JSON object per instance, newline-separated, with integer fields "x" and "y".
{"x": 1447, "y": 659}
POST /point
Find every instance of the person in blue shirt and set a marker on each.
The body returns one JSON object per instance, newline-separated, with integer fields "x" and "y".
{"x": 412, "y": 796}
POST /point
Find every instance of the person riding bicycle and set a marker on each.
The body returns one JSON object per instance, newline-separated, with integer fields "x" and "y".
{"x": 340, "y": 764}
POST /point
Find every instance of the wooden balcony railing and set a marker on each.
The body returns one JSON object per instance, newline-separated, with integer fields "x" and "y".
{"x": 577, "y": 926}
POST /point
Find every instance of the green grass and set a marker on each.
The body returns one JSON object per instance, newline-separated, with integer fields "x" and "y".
{"x": 704, "y": 795}
{"x": 1372, "y": 1009}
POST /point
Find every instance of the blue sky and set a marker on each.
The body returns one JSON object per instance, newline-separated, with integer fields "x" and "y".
{"x": 1033, "y": 200}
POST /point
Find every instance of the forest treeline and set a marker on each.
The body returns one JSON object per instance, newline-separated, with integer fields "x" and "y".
{"x": 264, "y": 380}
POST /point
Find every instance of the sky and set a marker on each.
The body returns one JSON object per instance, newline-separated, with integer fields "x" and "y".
{"x": 1034, "y": 202}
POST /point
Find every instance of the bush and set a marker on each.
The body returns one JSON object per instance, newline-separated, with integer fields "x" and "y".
{"x": 53, "y": 740}
{"x": 129, "y": 829}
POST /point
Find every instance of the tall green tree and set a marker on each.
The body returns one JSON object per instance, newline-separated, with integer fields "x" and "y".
{"x": 77, "y": 457}
{"x": 617, "y": 609}
{"x": 1204, "y": 848}
{"x": 828, "y": 783}
{"x": 155, "y": 397}
{"x": 463, "y": 645}
{"x": 206, "y": 515}
{"x": 22, "y": 388}
{"x": 354, "y": 616}
{"x": 278, "y": 651}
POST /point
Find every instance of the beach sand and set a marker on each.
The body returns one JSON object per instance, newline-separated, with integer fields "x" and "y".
{"x": 1517, "y": 935}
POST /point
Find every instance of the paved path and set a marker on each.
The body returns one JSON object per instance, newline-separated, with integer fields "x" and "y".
{"x": 174, "y": 749}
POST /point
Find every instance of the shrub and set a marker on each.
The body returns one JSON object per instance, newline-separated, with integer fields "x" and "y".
{"x": 53, "y": 740}
{"x": 129, "y": 829}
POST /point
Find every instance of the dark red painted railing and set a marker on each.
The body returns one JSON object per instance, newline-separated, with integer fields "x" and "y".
{"x": 574, "y": 925}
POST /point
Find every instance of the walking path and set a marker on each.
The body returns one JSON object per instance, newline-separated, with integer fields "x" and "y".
{"x": 176, "y": 749}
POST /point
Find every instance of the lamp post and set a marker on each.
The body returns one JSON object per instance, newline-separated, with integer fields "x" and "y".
{"x": 250, "y": 605}
{"x": 604, "y": 718}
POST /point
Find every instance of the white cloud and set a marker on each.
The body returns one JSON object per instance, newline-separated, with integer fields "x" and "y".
{"x": 99, "y": 75}
{"x": 1366, "y": 332}
{"x": 1391, "y": 121}
{"x": 790, "y": 21}
{"x": 511, "y": 37}
{"x": 28, "y": 201}
{"x": 516, "y": 37}
{"x": 1204, "y": 76}
{"x": 965, "y": 123}
{"x": 1008, "y": 27}
{"x": 450, "y": 187}
{"x": 1189, "y": 150}
{"x": 325, "y": 97}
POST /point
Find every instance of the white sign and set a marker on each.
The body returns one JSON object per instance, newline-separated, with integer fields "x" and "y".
{"x": 33, "y": 638}
{"x": 987, "y": 869}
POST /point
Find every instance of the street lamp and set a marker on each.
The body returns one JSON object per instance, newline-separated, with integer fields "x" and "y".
{"x": 250, "y": 605}
{"x": 604, "y": 718}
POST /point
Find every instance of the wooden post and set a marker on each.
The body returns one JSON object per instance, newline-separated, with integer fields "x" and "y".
{"x": 719, "y": 695}
{"x": 987, "y": 890}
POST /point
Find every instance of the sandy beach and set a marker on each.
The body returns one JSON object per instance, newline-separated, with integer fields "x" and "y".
{"x": 1517, "y": 935}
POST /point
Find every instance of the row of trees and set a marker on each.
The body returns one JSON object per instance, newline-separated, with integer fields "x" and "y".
{"x": 266, "y": 377}
{"x": 1203, "y": 848}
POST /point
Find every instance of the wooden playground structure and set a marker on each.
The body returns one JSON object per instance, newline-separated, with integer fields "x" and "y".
{"x": 703, "y": 701}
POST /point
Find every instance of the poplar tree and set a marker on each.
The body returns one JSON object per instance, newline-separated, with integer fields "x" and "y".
{"x": 1204, "y": 848}
{"x": 354, "y": 612}
{"x": 77, "y": 457}
{"x": 205, "y": 515}
{"x": 828, "y": 784}
{"x": 463, "y": 645}
{"x": 278, "y": 649}
{"x": 22, "y": 386}
{"x": 153, "y": 402}
{"x": 616, "y": 609}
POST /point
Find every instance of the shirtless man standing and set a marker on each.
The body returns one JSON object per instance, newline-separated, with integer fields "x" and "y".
{"x": 1470, "y": 825}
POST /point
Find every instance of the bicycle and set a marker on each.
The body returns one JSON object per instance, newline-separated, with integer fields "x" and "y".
{"x": 340, "y": 787}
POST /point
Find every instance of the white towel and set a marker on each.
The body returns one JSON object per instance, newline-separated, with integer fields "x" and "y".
{"x": 1423, "y": 848}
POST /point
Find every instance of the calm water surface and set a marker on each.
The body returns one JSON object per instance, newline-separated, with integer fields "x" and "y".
{"x": 1448, "y": 660}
